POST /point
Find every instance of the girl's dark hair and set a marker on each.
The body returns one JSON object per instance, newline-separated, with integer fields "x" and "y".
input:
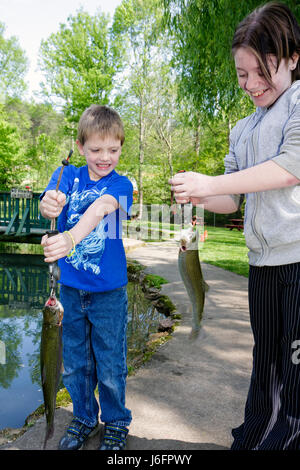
{"x": 270, "y": 29}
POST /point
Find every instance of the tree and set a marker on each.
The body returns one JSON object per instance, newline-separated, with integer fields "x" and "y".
{"x": 13, "y": 66}
{"x": 138, "y": 23}
{"x": 203, "y": 31}
{"x": 11, "y": 169}
{"x": 43, "y": 144}
{"x": 79, "y": 62}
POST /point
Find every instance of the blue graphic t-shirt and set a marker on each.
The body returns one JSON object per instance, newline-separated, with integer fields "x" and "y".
{"x": 99, "y": 262}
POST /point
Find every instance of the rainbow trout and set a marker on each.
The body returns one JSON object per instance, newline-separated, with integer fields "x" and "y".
{"x": 51, "y": 341}
{"x": 191, "y": 274}
{"x": 51, "y": 358}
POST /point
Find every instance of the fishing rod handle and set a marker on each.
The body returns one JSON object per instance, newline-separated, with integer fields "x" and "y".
{"x": 65, "y": 161}
{"x": 51, "y": 232}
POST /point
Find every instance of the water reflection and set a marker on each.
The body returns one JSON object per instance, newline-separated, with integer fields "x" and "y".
{"x": 24, "y": 288}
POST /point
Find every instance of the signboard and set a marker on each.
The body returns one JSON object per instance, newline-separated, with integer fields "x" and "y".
{"x": 16, "y": 193}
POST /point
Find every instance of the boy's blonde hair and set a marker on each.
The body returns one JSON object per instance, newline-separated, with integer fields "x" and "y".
{"x": 102, "y": 120}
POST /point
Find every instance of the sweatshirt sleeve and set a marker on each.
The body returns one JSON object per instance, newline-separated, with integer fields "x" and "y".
{"x": 289, "y": 154}
{"x": 231, "y": 165}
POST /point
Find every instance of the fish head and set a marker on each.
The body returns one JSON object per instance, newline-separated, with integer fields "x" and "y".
{"x": 188, "y": 239}
{"x": 53, "y": 311}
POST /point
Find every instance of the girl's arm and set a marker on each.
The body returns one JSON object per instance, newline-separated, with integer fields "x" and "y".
{"x": 262, "y": 177}
{"x": 60, "y": 245}
{"x": 217, "y": 204}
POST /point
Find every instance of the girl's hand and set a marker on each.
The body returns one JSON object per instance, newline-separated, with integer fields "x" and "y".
{"x": 198, "y": 200}
{"x": 52, "y": 204}
{"x": 57, "y": 246}
{"x": 187, "y": 185}
{"x": 194, "y": 200}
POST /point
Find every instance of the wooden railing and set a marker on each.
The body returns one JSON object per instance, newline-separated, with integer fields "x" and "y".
{"x": 20, "y": 219}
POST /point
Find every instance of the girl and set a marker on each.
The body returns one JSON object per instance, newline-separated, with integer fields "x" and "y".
{"x": 264, "y": 163}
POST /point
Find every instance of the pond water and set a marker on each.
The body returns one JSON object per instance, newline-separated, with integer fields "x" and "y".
{"x": 24, "y": 289}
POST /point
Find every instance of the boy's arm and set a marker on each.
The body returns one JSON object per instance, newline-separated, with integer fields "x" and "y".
{"x": 60, "y": 245}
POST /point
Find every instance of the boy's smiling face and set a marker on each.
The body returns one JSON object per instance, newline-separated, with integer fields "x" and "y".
{"x": 102, "y": 154}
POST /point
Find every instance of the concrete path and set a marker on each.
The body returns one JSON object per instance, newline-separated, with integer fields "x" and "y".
{"x": 191, "y": 393}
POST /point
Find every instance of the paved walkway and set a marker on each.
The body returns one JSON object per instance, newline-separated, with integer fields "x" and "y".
{"x": 191, "y": 393}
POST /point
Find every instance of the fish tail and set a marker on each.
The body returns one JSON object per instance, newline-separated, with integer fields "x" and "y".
{"x": 49, "y": 434}
{"x": 205, "y": 286}
{"x": 194, "y": 333}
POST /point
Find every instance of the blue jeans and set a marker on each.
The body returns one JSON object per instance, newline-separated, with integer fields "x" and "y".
{"x": 94, "y": 351}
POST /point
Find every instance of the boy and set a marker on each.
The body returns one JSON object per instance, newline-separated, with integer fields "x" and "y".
{"x": 93, "y": 279}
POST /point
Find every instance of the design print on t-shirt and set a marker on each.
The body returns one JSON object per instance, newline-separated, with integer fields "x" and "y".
{"x": 89, "y": 251}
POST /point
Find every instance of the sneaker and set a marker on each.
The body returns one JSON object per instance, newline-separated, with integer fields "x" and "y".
{"x": 76, "y": 435}
{"x": 114, "y": 437}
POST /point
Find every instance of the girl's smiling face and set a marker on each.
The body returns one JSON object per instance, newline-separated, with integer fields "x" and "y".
{"x": 102, "y": 154}
{"x": 253, "y": 82}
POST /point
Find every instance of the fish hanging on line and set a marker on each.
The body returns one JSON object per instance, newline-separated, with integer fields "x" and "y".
{"x": 51, "y": 339}
{"x": 191, "y": 274}
{"x": 51, "y": 359}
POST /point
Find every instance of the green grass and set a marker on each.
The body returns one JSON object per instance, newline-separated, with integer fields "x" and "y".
{"x": 226, "y": 249}
{"x": 223, "y": 248}
{"x": 153, "y": 280}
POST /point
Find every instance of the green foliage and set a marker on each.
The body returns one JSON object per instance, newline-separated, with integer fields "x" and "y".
{"x": 153, "y": 280}
{"x": 79, "y": 63}
{"x": 10, "y": 169}
{"x": 41, "y": 139}
{"x": 136, "y": 18}
{"x": 203, "y": 31}
{"x": 148, "y": 99}
{"x": 13, "y": 66}
{"x": 172, "y": 82}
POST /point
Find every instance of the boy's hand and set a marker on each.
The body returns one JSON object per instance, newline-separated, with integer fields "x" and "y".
{"x": 52, "y": 204}
{"x": 56, "y": 247}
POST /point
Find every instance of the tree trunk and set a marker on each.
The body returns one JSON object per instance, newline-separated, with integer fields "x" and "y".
{"x": 141, "y": 154}
{"x": 197, "y": 136}
{"x": 197, "y": 139}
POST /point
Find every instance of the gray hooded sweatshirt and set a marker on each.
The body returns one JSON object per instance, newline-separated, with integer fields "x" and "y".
{"x": 272, "y": 218}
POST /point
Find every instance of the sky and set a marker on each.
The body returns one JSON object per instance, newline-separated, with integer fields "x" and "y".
{"x": 34, "y": 20}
